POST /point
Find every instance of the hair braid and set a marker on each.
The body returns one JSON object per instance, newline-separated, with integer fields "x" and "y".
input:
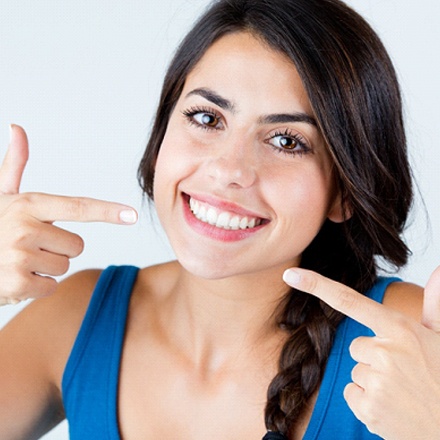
{"x": 311, "y": 325}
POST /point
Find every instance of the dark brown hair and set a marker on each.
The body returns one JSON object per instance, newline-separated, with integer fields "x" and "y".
{"x": 354, "y": 93}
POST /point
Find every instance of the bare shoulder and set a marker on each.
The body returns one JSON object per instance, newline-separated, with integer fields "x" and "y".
{"x": 48, "y": 327}
{"x": 35, "y": 346}
{"x": 406, "y": 298}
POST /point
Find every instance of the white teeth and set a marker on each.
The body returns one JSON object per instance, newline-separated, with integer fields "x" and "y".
{"x": 243, "y": 223}
{"x": 202, "y": 214}
{"x": 223, "y": 220}
{"x": 211, "y": 216}
{"x": 235, "y": 223}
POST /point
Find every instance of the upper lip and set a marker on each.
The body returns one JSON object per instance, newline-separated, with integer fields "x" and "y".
{"x": 224, "y": 205}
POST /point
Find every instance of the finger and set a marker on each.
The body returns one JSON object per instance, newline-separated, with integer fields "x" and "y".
{"x": 362, "y": 349}
{"x": 360, "y": 375}
{"x": 431, "y": 302}
{"x": 50, "y": 208}
{"x": 46, "y": 263}
{"x": 51, "y": 238}
{"x": 351, "y": 303}
{"x": 354, "y": 395}
{"x": 14, "y": 162}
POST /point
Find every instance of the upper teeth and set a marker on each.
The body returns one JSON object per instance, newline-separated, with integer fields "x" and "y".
{"x": 221, "y": 219}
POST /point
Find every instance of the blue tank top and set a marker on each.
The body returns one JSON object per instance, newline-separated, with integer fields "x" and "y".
{"x": 90, "y": 380}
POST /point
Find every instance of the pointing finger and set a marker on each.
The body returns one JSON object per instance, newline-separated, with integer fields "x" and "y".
{"x": 431, "y": 302}
{"x": 50, "y": 208}
{"x": 14, "y": 162}
{"x": 351, "y": 303}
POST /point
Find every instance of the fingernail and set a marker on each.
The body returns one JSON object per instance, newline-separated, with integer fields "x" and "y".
{"x": 291, "y": 277}
{"x": 128, "y": 216}
{"x": 10, "y": 131}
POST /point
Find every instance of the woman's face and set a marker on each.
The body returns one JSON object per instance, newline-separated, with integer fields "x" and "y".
{"x": 243, "y": 178}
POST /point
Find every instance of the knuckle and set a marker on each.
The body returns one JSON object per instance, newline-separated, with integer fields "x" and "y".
{"x": 23, "y": 234}
{"x": 383, "y": 356}
{"x": 75, "y": 207}
{"x": 20, "y": 260}
{"x": 21, "y": 202}
{"x": 344, "y": 298}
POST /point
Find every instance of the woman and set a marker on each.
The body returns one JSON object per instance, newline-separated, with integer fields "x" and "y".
{"x": 278, "y": 143}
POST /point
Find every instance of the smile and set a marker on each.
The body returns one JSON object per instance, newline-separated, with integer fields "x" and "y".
{"x": 221, "y": 219}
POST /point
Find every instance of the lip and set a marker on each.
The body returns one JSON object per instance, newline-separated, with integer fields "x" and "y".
{"x": 224, "y": 235}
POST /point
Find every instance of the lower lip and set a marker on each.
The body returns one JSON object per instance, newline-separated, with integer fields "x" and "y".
{"x": 225, "y": 235}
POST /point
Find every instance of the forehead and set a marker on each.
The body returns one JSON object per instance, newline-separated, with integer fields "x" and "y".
{"x": 240, "y": 64}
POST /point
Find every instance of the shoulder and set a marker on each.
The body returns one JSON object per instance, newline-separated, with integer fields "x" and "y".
{"x": 406, "y": 298}
{"x": 48, "y": 327}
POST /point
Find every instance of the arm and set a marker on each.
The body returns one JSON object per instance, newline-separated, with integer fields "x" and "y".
{"x": 34, "y": 349}
{"x": 396, "y": 382}
{"x": 35, "y": 345}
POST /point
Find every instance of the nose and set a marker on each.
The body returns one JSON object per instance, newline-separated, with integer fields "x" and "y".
{"x": 233, "y": 166}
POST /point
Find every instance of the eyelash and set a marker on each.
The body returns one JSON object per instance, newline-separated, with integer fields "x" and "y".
{"x": 191, "y": 112}
{"x": 296, "y": 137}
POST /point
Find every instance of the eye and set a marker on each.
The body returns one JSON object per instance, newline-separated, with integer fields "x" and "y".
{"x": 204, "y": 118}
{"x": 289, "y": 143}
{"x": 207, "y": 119}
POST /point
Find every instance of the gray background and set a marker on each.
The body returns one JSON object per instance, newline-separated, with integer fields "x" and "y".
{"x": 83, "y": 77}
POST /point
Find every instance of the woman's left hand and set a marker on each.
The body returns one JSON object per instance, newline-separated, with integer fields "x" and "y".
{"x": 396, "y": 382}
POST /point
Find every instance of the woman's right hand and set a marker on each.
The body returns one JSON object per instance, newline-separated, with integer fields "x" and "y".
{"x": 32, "y": 249}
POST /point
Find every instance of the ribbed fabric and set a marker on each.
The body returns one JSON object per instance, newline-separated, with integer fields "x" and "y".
{"x": 90, "y": 381}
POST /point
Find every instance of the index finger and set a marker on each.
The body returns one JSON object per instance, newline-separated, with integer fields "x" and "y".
{"x": 370, "y": 313}
{"x": 51, "y": 208}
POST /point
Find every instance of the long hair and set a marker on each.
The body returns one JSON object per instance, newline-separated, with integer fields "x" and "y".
{"x": 353, "y": 90}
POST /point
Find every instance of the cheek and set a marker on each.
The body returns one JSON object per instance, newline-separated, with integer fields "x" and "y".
{"x": 170, "y": 163}
{"x": 303, "y": 197}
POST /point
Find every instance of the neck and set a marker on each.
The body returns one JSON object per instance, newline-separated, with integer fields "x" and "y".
{"x": 215, "y": 322}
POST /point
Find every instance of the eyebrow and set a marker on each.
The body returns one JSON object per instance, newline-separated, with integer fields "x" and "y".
{"x": 226, "y": 104}
{"x": 284, "y": 118}
{"x": 213, "y": 97}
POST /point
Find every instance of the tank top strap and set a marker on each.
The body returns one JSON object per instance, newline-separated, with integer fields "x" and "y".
{"x": 331, "y": 417}
{"x": 90, "y": 380}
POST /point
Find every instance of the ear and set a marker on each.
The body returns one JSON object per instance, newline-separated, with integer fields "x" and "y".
{"x": 339, "y": 211}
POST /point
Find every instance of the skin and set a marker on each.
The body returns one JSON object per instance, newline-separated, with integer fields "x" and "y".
{"x": 395, "y": 389}
{"x": 199, "y": 336}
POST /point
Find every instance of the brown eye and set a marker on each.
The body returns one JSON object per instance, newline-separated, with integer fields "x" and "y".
{"x": 287, "y": 143}
{"x": 207, "y": 119}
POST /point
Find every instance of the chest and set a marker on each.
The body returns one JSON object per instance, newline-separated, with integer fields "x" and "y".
{"x": 163, "y": 396}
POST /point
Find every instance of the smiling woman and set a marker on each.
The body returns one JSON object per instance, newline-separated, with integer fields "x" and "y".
{"x": 278, "y": 143}
{"x": 228, "y": 167}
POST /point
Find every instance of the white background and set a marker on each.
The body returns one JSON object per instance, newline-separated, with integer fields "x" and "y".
{"x": 83, "y": 77}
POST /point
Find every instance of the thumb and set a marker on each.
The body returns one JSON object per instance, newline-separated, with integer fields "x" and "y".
{"x": 431, "y": 302}
{"x": 14, "y": 162}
